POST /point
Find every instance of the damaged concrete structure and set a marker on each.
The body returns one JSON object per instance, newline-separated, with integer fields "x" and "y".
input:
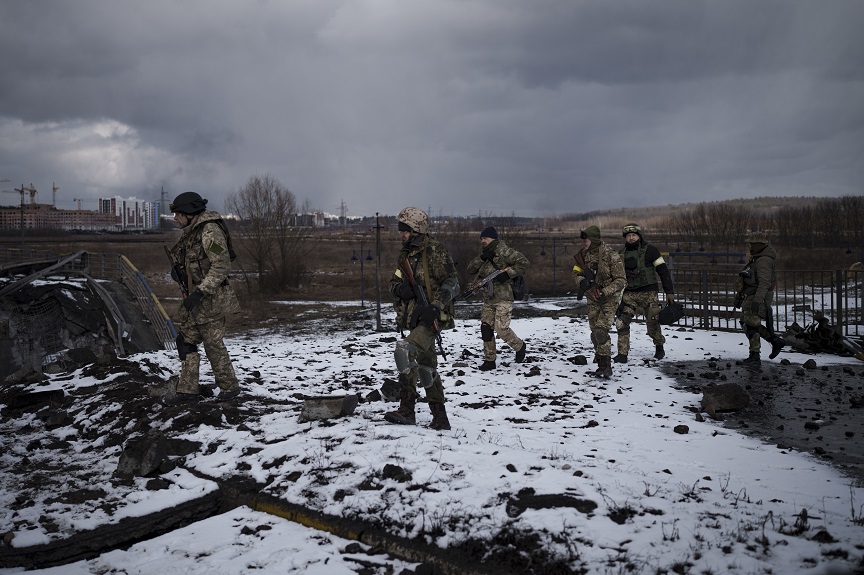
{"x": 55, "y": 312}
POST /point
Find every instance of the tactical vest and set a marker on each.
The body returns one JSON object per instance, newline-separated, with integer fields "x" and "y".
{"x": 638, "y": 274}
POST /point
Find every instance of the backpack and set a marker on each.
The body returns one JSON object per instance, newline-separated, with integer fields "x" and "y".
{"x": 519, "y": 288}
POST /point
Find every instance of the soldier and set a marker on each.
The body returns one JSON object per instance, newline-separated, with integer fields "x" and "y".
{"x": 203, "y": 254}
{"x": 599, "y": 273}
{"x": 435, "y": 273}
{"x": 641, "y": 262}
{"x": 755, "y": 294}
{"x": 498, "y": 301}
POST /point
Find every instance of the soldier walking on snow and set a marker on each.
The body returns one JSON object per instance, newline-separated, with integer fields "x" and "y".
{"x": 497, "y": 307}
{"x": 642, "y": 264}
{"x": 599, "y": 273}
{"x": 755, "y": 285}
{"x": 203, "y": 263}
{"x": 434, "y": 273}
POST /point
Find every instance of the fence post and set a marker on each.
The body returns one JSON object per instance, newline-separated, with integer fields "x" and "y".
{"x": 703, "y": 287}
{"x": 838, "y": 304}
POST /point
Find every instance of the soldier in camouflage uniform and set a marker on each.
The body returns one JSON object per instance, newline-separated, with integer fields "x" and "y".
{"x": 603, "y": 293}
{"x": 203, "y": 254}
{"x": 497, "y": 301}
{"x": 642, "y": 264}
{"x": 755, "y": 286}
{"x": 415, "y": 355}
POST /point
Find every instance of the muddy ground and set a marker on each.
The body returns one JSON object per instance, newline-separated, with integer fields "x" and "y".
{"x": 818, "y": 409}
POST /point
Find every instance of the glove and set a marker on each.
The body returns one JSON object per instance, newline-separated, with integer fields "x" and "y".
{"x": 193, "y": 299}
{"x": 487, "y": 256}
{"x": 502, "y": 277}
{"x": 755, "y": 308}
{"x": 584, "y": 285}
{"x": 406, "y": 292}
{"x": 428, "y": 315}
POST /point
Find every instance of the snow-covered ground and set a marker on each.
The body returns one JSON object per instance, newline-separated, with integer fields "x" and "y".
{"x": 588, "y": 475}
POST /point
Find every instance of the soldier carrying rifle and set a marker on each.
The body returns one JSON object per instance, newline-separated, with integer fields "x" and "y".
{"x": 755, "y": 285}
{"x": 423, "y": 288}
{"x": 599, "y": 273}
{"x": 498, "y": 263}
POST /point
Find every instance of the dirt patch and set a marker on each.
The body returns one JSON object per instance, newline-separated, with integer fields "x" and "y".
{"x": 817, "y": 409}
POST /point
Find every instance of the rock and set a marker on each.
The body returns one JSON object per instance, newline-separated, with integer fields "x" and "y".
{"x": 810, "y": 364}
{"x": 681, "y": 429}
{"x": 141, "y": 457}
{"x": 328, "y": 407}
{"x": 724, "y": 397}
{"x": 579, "y": 360}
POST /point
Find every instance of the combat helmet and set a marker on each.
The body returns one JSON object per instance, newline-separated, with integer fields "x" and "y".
{"x": 414, "y": 218}
{"x": 756, "y": 238}
{"x": 631, "y": 229}
{"x": 189, "y": 203}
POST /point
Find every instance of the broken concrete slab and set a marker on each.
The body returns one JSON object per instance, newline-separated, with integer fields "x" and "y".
{"x": 328, "y": 407}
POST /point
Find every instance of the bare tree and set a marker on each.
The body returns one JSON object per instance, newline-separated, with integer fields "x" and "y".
{"x": 274, "y": 243}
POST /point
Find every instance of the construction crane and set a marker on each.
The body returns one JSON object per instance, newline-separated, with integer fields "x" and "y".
{"x": 33, "y": 194}
{"x": 78, "y": 202}
{"x": 54, "y": 190}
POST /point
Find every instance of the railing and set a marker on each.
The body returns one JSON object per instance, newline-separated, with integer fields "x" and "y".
{"x": 707, "y": 292}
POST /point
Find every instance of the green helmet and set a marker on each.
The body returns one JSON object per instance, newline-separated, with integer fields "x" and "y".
{"x": 631, "y": 229}
{"x": 757, "y": 238}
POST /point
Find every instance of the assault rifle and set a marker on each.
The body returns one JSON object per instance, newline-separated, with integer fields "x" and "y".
{"x": 422, "y": 300}
{"x": 474, "y": 287}
{"x": 586, "y": 273}
{"x": 178, "y": 273}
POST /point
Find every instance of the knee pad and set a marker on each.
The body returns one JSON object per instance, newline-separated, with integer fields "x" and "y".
{"x": 486, "y": 332}
{"x": 622, "y": 324}
{"x": 425, "y": 376}
{"x": 183, "y": 348}
{"x": 402, "y": 354}
{"x": 599, "y": 336}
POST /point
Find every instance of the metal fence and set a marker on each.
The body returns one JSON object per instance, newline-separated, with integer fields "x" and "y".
{"x": 707, "y": 291}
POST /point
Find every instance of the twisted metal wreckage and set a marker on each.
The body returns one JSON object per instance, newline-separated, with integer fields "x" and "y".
{"x": 54, "y": 314}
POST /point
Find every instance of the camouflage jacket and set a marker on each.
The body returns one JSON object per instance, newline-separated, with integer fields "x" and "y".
{"x": 436, "y": 274}
{"x": 203, "y": 252}
{"x": 609, "y": 269}
{"x": 503, "y": 257}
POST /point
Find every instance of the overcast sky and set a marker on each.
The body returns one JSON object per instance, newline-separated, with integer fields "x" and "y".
{"x": 462, "y": 107}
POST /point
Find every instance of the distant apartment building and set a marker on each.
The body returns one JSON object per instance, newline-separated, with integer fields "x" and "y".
{"x": 113, "y": 214}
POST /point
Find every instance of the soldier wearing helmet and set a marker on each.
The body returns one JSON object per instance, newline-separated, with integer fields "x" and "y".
{"x": 642, "y": 264}
{"x": 599, "y": 274}
{"x": 755, "y": 295}
{"x": 415, "y": 355}
{"x": 204, "y": 256}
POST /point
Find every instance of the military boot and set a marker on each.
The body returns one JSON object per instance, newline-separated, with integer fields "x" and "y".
{"x": 520, "y": 354}
{"x": 659, "y": 352}
{"x": 405, "y": 414}
{"x": 620, "y": 358}
{"x": 439, "y": 417}
{"x": 777, "y": 343}
{"x": 604, "y": 367}
{"x": 753, "y": 361}
{"x": 487, "y": 365}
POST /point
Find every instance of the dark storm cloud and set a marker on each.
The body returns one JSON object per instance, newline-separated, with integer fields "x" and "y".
{"x": 494, "y": 106}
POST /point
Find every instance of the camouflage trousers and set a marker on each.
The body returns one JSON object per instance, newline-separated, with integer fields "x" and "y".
{"x": 420, "y": 348}
{"x": 634, "y": 304}
{"x": 496, "y": 319}
{"x": 600, "y": 318}
{"x": 753, "y": 328}
{"x": 210, "y": 334}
